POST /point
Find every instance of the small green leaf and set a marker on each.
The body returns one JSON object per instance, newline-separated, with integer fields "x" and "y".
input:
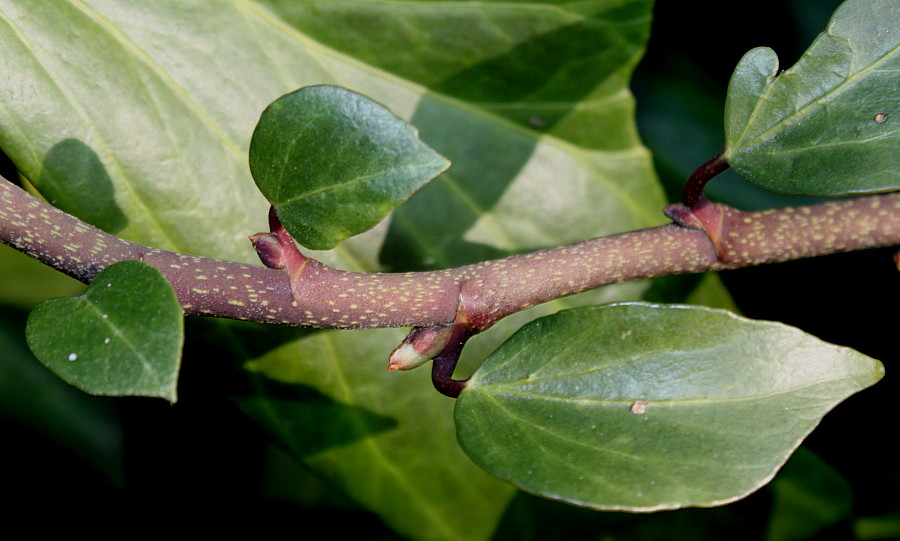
{"x": 829, "y": 125}
{"x": 642, "y": 407}
{"x": 122, "y": 337}
{"x": 335, "y": 163}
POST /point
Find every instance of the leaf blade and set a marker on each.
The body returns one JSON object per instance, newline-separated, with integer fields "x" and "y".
{"x": 123, "y": 337}
{"x": 624, "y": 420}
{"x": 824, "y": 124}
{"x": 335, "y": 163}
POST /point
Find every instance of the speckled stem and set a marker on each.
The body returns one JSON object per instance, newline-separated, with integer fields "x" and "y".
{"x": 483, "y": 293}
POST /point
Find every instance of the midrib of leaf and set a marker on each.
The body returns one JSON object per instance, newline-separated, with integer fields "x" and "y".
{"x": 22, "y": 135}
{"x": 110, "y": 157}
{"x": 523, "y": 425}
{"x": 264, "y": 47}
{"x": 630, "y": 360}
{"x": 527, "y": 424}
{"x": 268, "y": 17}
{"x": 177, "y": 90}
{"x": 145, "y": 363}
{"x": 351, "y": 182}
{"x": 820, "y": 146}
{"x": 509, "y": 389}
{"x": 378, "y": 454}
{"x": 803, "y": 111}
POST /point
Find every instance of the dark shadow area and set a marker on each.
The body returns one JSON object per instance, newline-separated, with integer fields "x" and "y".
{"x": 299, "y": 417}
{"x": 530, "y": 518}
{"x": 8, "y": 169}
{"x": 201, "y": 462}
{"x": 236, "y": 341}
{"x": 305, "y": 421}
{"x": 75, "y": 180}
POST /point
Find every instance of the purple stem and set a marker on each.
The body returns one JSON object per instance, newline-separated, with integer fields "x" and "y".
{"x": 446, "y": 360}
{"x": 693, "y": 188}
{"x": 482, "y": 293}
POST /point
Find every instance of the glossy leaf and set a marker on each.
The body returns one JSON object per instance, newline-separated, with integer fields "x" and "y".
{"x": 123, "y": 337}
{"x": 335, "y": 163}
{"x": 827, "y": 126}
{"x": 163, "y": 153}
{"x": 642, "y": 407}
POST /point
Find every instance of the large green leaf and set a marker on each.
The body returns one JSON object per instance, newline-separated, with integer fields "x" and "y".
{"x": 162, "y": 150}
{"x": 642, "y": 407}
{"x": 123, "y": 337}
{"x": 335, "y": 163}
{"x": 827, "y": 126}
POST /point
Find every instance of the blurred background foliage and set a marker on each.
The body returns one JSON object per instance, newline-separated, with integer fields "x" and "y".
{"x": 203, "y": 460}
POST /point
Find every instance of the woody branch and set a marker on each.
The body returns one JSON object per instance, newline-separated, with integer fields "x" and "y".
{"x": 717, "y": 237}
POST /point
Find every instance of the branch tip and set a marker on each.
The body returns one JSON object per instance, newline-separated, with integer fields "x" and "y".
{"x": 420, "y": 346}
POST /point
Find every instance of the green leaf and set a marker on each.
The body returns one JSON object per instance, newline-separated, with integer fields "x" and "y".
{"x": 335, "y": 163}
{"x": 122, "y": 337}
{"x": 827, "y": 126}
{"x": 642, "y": 407}
{"x": 186, "y": 85}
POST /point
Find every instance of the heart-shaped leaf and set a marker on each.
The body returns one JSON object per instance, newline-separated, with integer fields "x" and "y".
{"x": 335, "y": 163}
{"x": 123, "y": 337}
{"x": 827, "y": 126}
{"x": 643, "y": 407}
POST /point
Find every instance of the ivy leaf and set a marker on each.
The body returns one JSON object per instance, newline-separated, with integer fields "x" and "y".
{"x": 123, "y": 337}
{"x": 829, "y": 125}
{"x": 335, "y": 163}
{"x": 643, "y": 407}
